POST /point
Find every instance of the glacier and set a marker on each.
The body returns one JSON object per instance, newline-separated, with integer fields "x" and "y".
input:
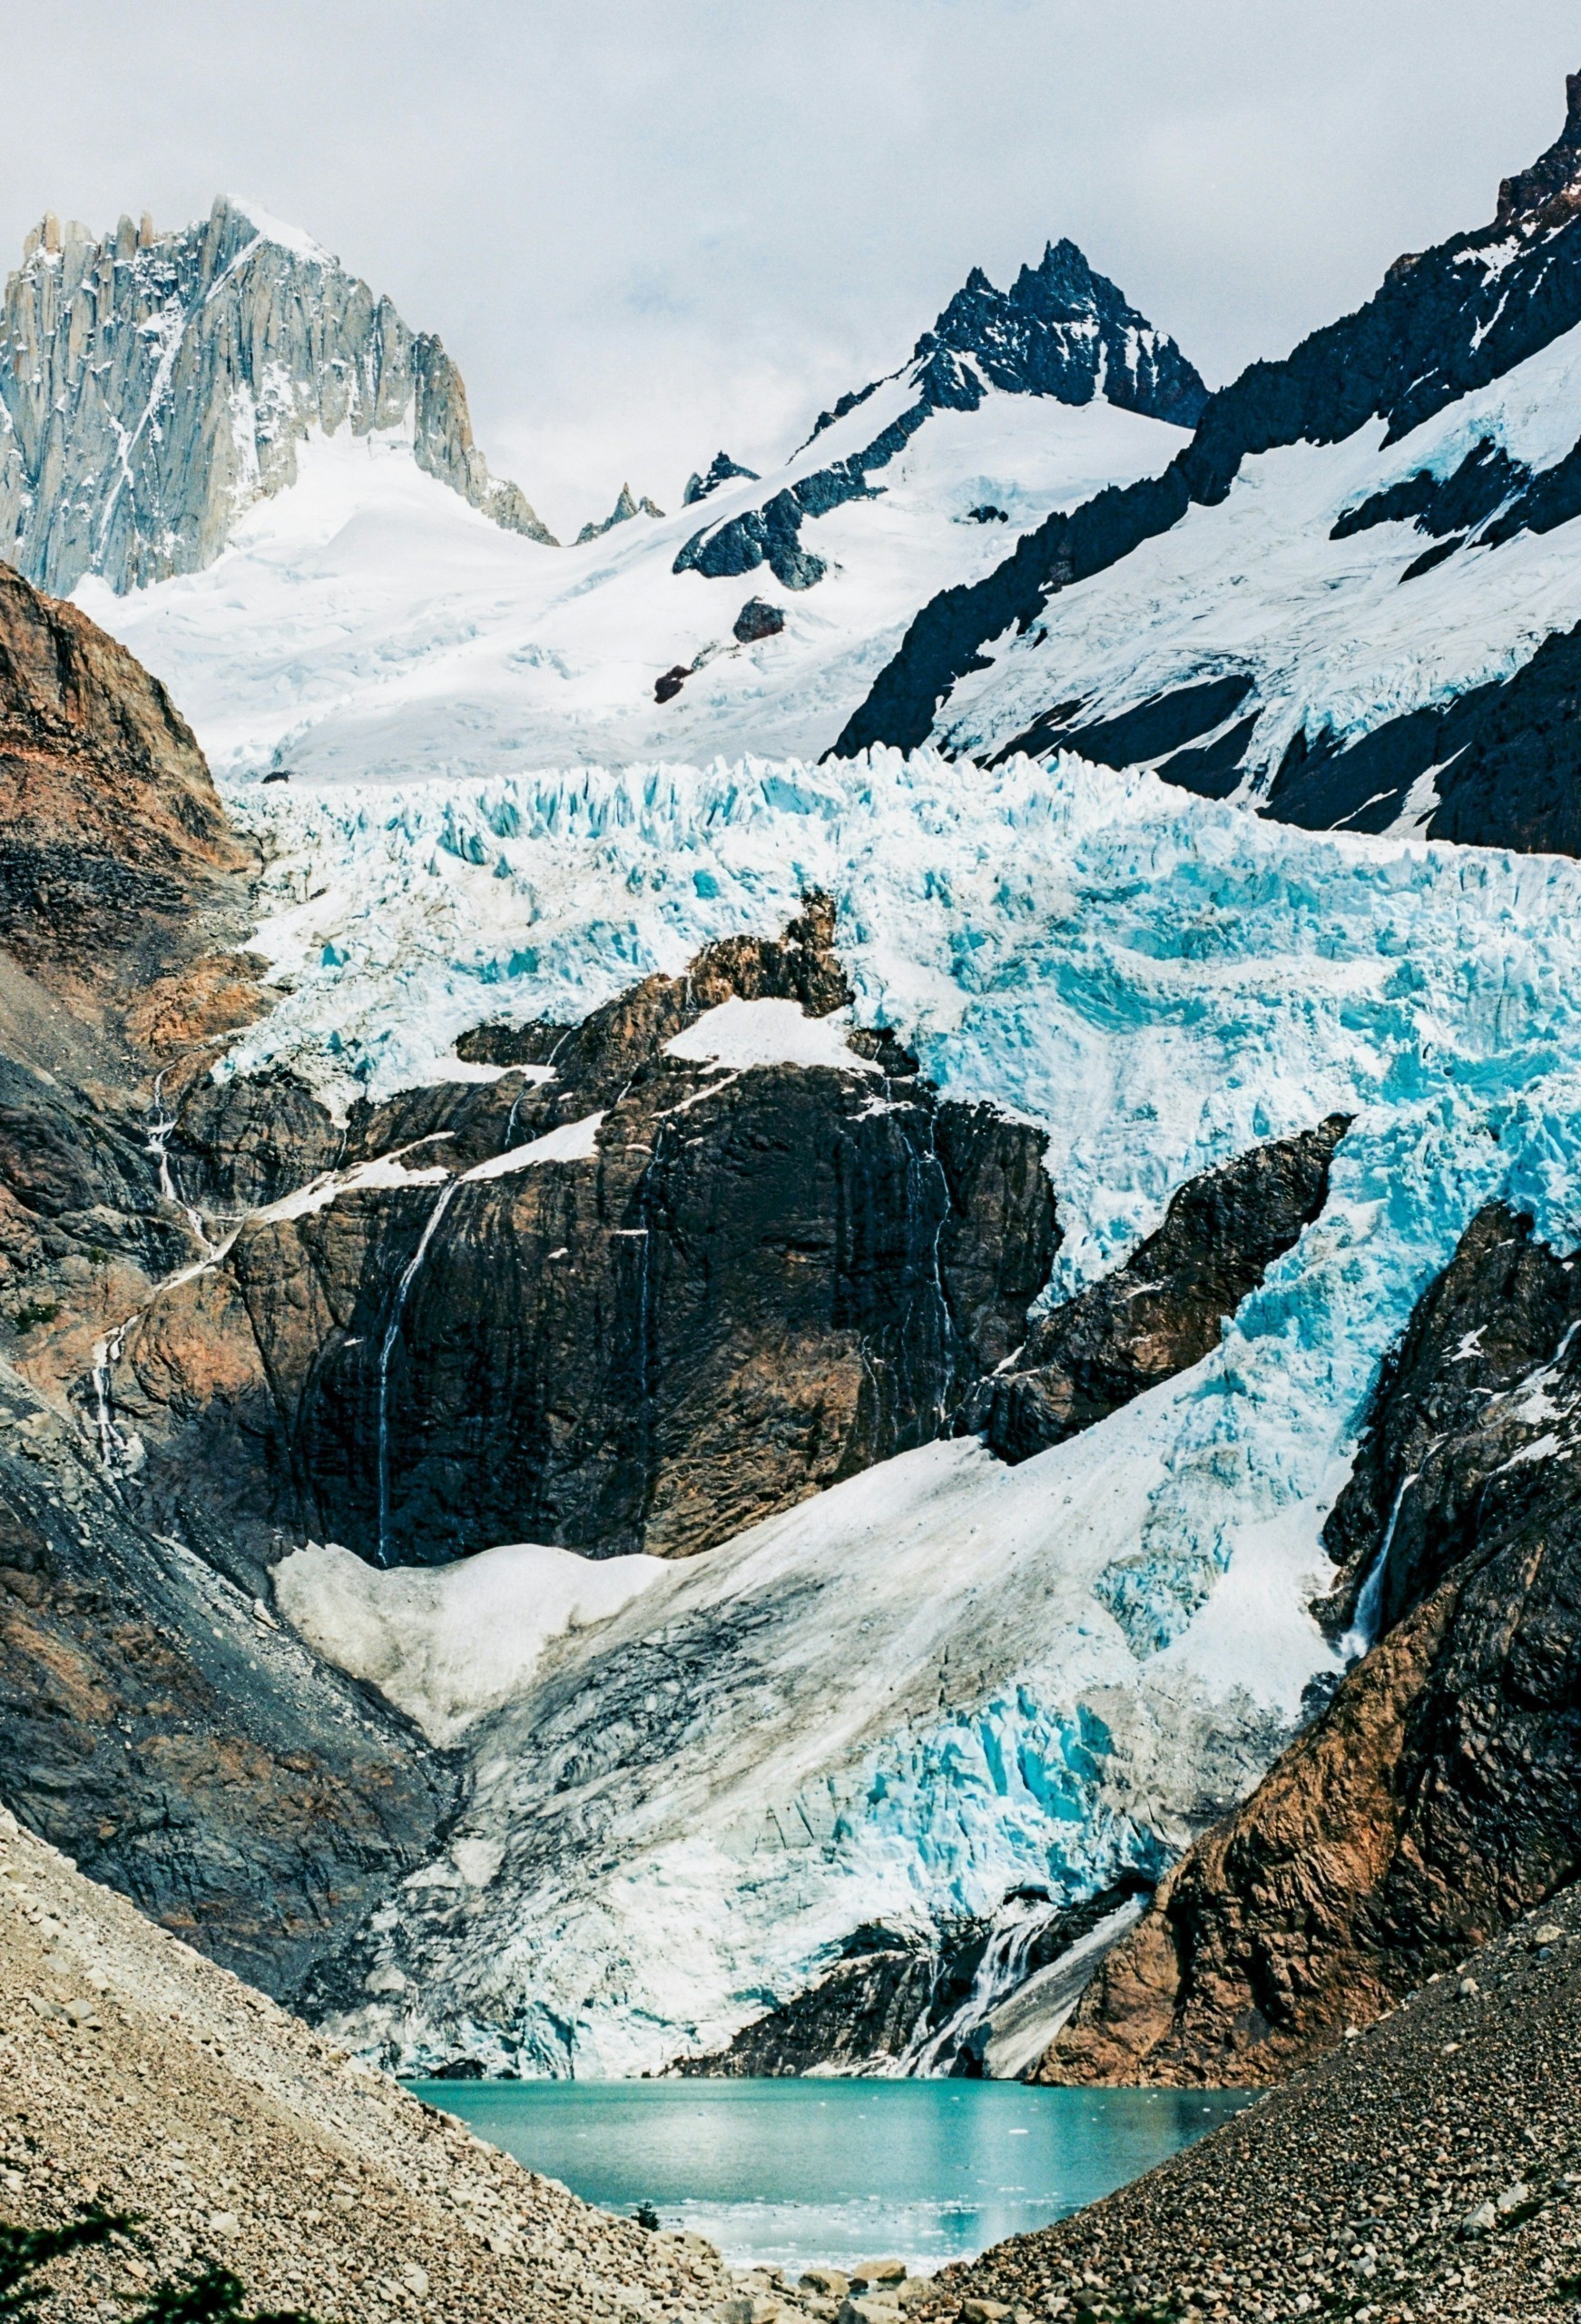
{"x": 943, "y": 1680}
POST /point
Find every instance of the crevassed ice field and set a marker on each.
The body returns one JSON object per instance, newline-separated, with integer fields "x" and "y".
{"x": 1158, "y": 983}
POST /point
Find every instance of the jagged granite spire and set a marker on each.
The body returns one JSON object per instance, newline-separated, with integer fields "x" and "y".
{"x": 153, "y": 387}
{"x": 1549, "y": 193}
{"x": 1060, "y": 331}
{"x": 625, "y": 509}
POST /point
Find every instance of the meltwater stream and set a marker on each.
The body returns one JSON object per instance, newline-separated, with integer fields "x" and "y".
{"x": 790, "y": 2173}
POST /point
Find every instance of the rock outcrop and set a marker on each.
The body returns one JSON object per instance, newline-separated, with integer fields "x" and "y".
{"x": 120, "y": 889}
{"x": 626, "y": 506}
{"x": 1061, "y": 329}
{"x": 112, "y": 835}
{"x": 720, "y": 470}
{"x": 639, "y": 1303}
{"x": 149, "y": 1723}
{"x": 1435, "y": 1798}
{"x": 1166, "y": 1307}
{"x": 153, "y": 387}
{"x": 157, "y": 1724}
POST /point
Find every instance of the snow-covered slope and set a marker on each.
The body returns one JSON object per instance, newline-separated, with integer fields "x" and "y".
{"x": 1354, "y": 597}
{"x": 368, "y": 624}
{"x": 945, "y": 1679}
{"x": 1331, "y": 630}
{"x": 365, "y": 624}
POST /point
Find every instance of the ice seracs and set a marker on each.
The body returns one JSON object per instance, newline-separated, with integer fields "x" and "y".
{"x": 945, "y": 1679}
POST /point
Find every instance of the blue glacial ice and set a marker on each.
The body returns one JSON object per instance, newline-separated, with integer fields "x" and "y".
{"x": 948, "y": 1678}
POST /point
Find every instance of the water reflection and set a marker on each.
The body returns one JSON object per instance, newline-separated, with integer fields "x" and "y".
{"x": 785, "y": 2173}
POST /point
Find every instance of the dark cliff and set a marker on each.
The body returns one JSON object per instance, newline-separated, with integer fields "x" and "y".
{"x": 731, "y": 1288}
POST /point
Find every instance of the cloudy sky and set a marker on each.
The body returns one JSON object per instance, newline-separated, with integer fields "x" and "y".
{"x": 648, "y": 229}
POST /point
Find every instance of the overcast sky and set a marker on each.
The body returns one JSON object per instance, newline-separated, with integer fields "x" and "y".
{"x": 646, "y": 230}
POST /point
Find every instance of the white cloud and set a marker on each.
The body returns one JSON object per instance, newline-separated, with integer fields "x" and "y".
{"x": 659, "y": 226}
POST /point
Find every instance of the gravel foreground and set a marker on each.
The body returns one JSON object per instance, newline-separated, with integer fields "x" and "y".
{"x": 1429, "y": 2168}
{"x": 137, "y": 2074}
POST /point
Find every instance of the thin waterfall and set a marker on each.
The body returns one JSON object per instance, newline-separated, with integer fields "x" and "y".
{"x": 392, "y": 1333}
{"x": 529, "y": 1082}
{"x": 160, "y": 1124}
{"x": 1363, "y": 1628}
{"x": 115, "y": 1450}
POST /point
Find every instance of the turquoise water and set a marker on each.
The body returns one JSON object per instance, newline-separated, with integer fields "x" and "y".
{"x": 787, "y": 2173}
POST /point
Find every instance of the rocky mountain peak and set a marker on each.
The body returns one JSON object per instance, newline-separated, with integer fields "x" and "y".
{"x": 1549, "y": 193}
{"x": 1062, "y": 329}
{"x": 153, "y": 387}
{"x": 720, "y": 470}
{"x": 626, "y": 506}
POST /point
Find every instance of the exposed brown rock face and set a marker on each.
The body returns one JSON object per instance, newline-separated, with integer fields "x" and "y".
{"x": 120, "y": 885}
{"x": 111, "y": 833}
{"x": 148, "y": 1723}
{"x": 1166, "y": 1307}
{"x": 1439, "y": 1794}
{"x": 747, "y": 1284}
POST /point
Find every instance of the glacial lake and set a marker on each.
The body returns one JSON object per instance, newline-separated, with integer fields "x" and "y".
{"x": 788, "y": 2174}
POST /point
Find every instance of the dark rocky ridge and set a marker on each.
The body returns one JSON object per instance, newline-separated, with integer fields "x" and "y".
{"x": 179, "y": 1745}
{"x": 1060, "y": 331}
{"x": 755, "y": 1283}
{"x": 720, "y": 470}
{"x": 1441, "y": 324}
{"x": 1166, "y": 1307}
{"x": 1436, "y": 1799}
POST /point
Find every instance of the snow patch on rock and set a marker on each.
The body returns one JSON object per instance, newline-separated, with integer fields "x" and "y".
{"x": 742, "y": 1033}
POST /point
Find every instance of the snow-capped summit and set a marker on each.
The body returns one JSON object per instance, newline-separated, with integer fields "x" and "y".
{"x": 366, "y": 623}
{"x": 1061, "y": 332}
{"x": 153, "y": 388}
{"x": 1355, "y": 596}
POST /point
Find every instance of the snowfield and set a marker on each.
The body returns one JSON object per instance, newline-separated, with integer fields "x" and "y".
{"x": 368, "y": 625}
{"x": 1330, "y": 636}
{"x": 944, "y": 1679}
